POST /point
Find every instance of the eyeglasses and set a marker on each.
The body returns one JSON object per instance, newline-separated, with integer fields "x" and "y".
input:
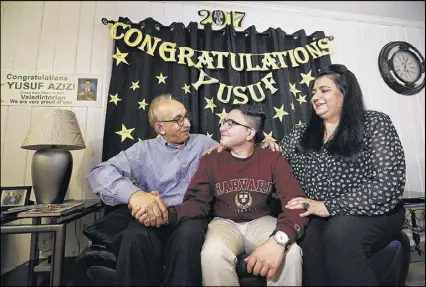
{"x": 228, "y": 123}
{"x": 179, "y": 120}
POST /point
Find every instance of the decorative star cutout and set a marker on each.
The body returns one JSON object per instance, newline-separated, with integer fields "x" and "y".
{"x": 292, "y": 106}
{"x": 222, "y": 115}
{"x": 210, "y": 104}
{"x": 142, "y": 105}
{"x": 299, "y": 123}
{"x": 306, "y": 78}
{"x": 135, "y": 86}
{"x": 114, "y": 99}
{"x": 187, "y": 89}
{"x": 125, "y": 133}
{"x": 280, "y": 113}
{"x": 293, "y": 89}
{"x": 139, "y": 140}
{"x": 161, "y": 78}
{"x": 301, "y": 99}
{"x": 120, "y": 57}
{"x": 209, "y": 135}
{"x": 268, "y": 137}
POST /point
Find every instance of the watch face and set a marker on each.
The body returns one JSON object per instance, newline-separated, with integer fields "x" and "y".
{"x": 406, "y": 66}
{"x": 281, "y": 237}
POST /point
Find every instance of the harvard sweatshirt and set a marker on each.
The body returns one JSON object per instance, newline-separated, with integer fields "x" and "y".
{"x": 238, "y": 189}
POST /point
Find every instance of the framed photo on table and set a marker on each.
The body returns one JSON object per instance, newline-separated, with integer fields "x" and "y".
{"x": 14, "y": 196}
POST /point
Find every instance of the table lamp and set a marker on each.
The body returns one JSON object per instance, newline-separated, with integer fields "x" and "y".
{"x": 53, "y": 135}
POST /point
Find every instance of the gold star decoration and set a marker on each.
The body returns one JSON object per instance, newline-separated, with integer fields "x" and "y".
{"x": 222, "y": 115}
{"x": 125, "y": 133}
{"x": 268, "y": 137}
{"x": 139, "y": 140}
{"x": 280, "y": 113}
{"x": 299, "y": 123}
{"x": 135, "y": 86}
{"x": 293, "y": 89}
{"x": 120, "y": 57}
{"x": 306, "y": 78}
{"x": 187, "y": 89}
{"x": 161, "y": 78}
{"x": 292, "y": 106}
{"x": 210, "y": 104}
{"x": 142, "y": 105}
{"x": 301, "y": 99}
{"x": 114, "y": 99}
{"x": 209, "y": 135}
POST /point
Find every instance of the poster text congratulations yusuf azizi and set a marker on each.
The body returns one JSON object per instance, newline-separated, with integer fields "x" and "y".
{"x": 43, "y": 89}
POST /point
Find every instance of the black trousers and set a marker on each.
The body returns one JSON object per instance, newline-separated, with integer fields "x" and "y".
{"x": 336, "y": 250}
{"x": 164, "y": 256}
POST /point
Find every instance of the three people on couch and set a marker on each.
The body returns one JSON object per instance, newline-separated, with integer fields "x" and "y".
{"x": 349, "y": 161}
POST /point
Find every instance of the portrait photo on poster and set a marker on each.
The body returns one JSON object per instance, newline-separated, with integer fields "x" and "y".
{"x": 15, "y": 196}
{"x": 87, "y": 89}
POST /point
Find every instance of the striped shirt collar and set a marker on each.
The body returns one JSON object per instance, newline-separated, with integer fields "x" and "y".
{"x": 163, "y": 141}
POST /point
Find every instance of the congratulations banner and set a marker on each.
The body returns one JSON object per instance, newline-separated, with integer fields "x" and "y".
{"x": 205, "y": 61}
{"x": 49, "y": 89}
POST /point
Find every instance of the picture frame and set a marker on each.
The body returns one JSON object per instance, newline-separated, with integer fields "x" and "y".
{"x": 15, "y": 196}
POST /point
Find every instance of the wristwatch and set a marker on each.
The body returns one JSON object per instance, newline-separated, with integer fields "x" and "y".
{"x": 281, "y": 238}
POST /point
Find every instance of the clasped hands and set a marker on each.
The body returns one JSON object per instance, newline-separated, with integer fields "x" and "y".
{"x": 148, "y": 208}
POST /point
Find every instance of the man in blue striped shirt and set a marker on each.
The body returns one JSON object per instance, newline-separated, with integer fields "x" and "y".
{"x": 157, "y": 173}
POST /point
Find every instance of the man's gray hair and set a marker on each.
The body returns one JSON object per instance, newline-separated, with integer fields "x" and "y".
{"x": 152, "y": 112}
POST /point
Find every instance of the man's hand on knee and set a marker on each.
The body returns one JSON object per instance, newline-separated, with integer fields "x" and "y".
{"x": 265, "y": 259}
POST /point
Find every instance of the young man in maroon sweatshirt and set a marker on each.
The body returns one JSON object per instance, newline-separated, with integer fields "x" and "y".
{"x": 235, "y": 186}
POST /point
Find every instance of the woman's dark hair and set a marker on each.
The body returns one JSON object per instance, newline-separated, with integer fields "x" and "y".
{"x": 347, "y": 140}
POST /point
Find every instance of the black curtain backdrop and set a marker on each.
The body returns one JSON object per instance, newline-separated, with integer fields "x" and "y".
{"x": 129, "y": 115}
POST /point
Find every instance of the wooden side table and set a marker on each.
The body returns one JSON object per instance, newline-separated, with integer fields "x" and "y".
{"x": 58, "y": 228}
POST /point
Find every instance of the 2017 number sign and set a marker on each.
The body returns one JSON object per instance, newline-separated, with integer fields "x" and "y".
{"x": 221, "y": 19}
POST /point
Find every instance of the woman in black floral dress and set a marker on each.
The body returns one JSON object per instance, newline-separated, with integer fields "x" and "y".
{"x": 350, "y": 163}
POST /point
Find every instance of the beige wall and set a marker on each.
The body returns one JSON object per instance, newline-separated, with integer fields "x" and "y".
{"x": 68, "y": 37}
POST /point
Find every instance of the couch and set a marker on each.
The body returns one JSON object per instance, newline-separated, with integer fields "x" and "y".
{"x": 96, "y": 265}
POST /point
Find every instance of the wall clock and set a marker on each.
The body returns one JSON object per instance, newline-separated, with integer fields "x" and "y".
{"x": 402, "y": 67}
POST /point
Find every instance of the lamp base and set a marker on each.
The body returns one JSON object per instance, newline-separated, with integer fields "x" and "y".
{"x": 51, "y": 170}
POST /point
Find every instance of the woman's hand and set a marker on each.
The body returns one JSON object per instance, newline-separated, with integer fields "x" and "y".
{"x": 271, "y": 145}
{"x": 311, "y": 206}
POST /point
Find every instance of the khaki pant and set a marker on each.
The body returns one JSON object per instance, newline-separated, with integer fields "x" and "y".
{"x": 226, "y": 239}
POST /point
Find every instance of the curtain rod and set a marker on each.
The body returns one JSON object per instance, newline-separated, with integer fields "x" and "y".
{"x": 105, "y": 21}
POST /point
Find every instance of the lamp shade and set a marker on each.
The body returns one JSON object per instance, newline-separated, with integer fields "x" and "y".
{"x": 57, "y": 128}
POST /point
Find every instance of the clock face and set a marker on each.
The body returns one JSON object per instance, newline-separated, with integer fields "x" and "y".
{"x": 402, "y": 67}
{"x": 406, "y": 66}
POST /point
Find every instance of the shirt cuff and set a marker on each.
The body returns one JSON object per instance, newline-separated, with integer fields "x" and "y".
{"x": 172, "y": 215}
{"x": 124, "y": 195}
{"x": 332, "y": 207}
